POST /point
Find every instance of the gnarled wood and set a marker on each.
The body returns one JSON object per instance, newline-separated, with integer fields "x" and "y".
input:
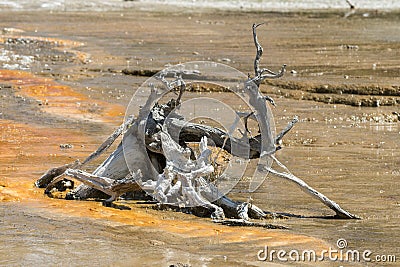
{"x": 167, "y": 169}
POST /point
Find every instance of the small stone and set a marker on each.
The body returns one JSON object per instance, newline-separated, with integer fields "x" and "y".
{"x": 66, "y": 146}
{"x": 156, "y": 242}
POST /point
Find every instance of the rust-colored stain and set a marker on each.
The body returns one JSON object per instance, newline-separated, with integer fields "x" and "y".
{"x": 27, "y": 151}
{"x": 60, "y": 99}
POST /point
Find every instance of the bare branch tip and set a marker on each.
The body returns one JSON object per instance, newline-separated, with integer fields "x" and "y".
{"x": 255, "y": 25}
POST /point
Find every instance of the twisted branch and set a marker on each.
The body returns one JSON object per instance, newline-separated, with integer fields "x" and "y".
{"x": 262, "y": 74}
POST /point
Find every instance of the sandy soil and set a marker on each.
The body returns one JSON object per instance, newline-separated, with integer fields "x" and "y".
{"x": 72, "y": 87}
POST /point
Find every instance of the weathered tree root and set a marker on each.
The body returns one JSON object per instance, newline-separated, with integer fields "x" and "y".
{"x": 174, "y": 174}
{"x": 114, "y": 188}
{"x": 340, "y": 213}
{"x": 52, "y": 173}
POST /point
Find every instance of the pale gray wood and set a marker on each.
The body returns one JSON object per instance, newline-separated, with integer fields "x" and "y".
{"x": 150, "y": 159}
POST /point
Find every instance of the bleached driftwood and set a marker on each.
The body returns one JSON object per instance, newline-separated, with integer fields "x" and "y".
{"x": 167, "y": 168}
